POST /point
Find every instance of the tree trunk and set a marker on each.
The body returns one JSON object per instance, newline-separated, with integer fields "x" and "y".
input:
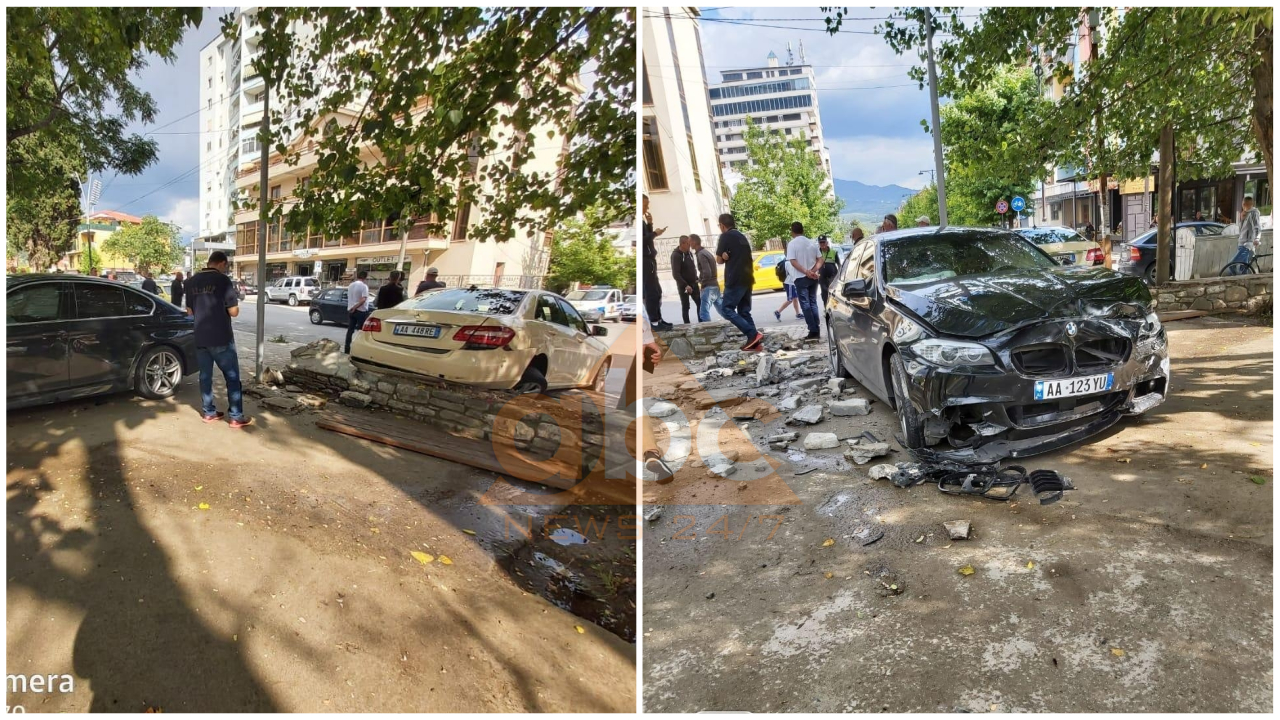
{"x": 1262, "y": 110}
{"x": 1164, "y": 232}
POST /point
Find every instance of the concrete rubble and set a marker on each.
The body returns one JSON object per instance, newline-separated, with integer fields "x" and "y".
{"x": 821, "y": 441}
{"x": 808, "y": 415}
{"x": 957, "y": 529}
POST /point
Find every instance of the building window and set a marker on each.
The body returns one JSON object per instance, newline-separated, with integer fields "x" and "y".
{"x": 737, "y": 91}
{"x": 464, "y": 219}
{"x": 210, "y": 103}
{"x": 655, "y": 172}
{"x": 693, "y": 159}
{"x": 731, "y": 77}
{"x": 208, "y": 145}
{"x": 759, "y": 106}
{"x": 755, "y": 76}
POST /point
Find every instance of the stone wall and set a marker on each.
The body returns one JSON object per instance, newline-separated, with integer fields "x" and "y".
{"x": 1242, "y": 292}
{"x": 698, "y": 340}
{"x": 537, "y": 426}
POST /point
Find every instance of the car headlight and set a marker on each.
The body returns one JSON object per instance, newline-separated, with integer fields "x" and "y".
{"x": 952, "y": 353}
{"x": 907, "y": 331}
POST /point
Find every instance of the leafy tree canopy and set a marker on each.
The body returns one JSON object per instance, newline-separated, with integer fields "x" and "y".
{"x": 90, "y": 262}
{"x": 582, "y": 252}
{"x": 782, "y": 183}
{"x": 924, "y": 202}
{"x": 42, "y": 226}
{"x": 151, "y": 245}
{"x": 448, "y": 100}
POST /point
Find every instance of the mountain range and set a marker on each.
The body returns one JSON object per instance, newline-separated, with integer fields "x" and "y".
{"x": 860, "y": 198}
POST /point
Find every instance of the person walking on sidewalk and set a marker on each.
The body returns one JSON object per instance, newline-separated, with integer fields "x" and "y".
{"x": 830, "y": 263}
{"x": 685, "y": 271}
{"x": 357, "y": 306}
{"x": 212, "y": 301}
{"x": 707, "y": 278}
{"x": 805, "y": 262}
{"x": 734, "y": 252}
{"x": 783, "y": 268}
{"x": 1250, "y": 232}
{"x": 391, "y": 294}
{"x": 176, "y": 289}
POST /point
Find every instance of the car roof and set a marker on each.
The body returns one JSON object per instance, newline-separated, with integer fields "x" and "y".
{"x": 949, "y": 231}
{"x": 27, "y": 279}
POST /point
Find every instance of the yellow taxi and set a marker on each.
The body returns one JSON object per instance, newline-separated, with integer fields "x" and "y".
{"x": 765, "y": 269}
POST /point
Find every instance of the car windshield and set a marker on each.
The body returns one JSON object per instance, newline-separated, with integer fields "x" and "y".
{"x": 933, "y": 257}
{"x": 631, "y": 300}
{"x": 587, "y": 295}
{"x": 770, "y": 260}
{"x": 483, "y": 301}
{"x": 1050, "y": 236}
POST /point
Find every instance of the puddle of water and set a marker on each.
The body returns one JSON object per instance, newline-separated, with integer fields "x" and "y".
{"x": 551, "y": 564}
{"x": 565, "y": 536}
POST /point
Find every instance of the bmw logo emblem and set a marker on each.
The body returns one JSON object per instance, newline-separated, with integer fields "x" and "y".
{"x": 1071, "y": 329}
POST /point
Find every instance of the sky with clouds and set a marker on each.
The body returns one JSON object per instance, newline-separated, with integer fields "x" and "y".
{"x": 871, "y": 110}
{"x": 176, "y": 90}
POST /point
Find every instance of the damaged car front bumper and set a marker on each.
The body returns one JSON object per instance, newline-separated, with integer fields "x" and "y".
{"x": 988, "y": 413}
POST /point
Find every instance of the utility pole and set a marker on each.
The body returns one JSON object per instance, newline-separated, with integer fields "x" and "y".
{"x": 1104, "y": 205}
{"x": 1164, "y": 233}
{"x": 263, "y": 212}
{"x": 937, "y": 126}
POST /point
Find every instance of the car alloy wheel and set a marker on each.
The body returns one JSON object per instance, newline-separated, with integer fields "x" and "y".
{"x": 316, "y": 318}
{"x": 602, "y": 375}
{"x": 162, "y": 373}
{"x": 293, "y": 301}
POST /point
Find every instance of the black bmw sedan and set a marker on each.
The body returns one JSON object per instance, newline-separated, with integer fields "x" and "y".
{"x": 71, "y": 336}
{"x": 331, "y": 306}
{"x": 979, "y": 339}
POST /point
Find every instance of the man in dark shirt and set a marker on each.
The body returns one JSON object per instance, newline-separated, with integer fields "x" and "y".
{"x": 708, "y": 278}
{"x": 734, "y": 252}
{"x": 390, "y": 294}
{"x": 431, "y": 283}
{"x": 149, "y": 283}
{"x": 650, "y": 285}
{"x": 212, "y": 300}
{"x": 175, "y": 290}
{"x": 685, "y": 272}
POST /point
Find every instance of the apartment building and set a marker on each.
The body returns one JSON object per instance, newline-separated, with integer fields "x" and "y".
{"x": 778, "y": 97}
{"x": 94, "y": 229}
{"x": 681, "y": 171}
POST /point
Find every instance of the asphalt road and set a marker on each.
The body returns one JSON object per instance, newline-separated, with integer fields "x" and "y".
{"x": 762, "y": 306}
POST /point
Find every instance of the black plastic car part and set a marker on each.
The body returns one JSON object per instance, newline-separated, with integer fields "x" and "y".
{"x": 995, "y": 484}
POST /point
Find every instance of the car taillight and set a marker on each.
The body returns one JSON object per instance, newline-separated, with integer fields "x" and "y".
{"x": 373, "y": 324}
{"x": 1134, "y": 254}
{"x": 1094, "y": 256}
{"x": 488, "y": 336}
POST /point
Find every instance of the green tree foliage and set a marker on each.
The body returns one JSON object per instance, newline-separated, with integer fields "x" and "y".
{"x": 90, "y": 261}
{"x": 582, "y": 252}
{"x": 43, "y": 226}
{"x": 783, "y": 183}
{"x": 924, "y": 202}
{"x": 151, "y": 245}
{"x": 488, "y": 78}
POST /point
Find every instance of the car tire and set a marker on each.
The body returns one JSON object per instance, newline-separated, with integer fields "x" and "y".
{"x": 316, "y": 317}
{"x": 532, "y": 382}
{"x": 159, "y": 373}
{"x": 833, "y": 354}
{"x": 597, "y": 383}
{"x": 293, "y": 301}
{"x": 908, "y": 419}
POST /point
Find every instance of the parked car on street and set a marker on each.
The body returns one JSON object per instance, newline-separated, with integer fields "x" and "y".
{"x": 978, "y": 338}
{"x": 163, "y": 293}
{"x": 72, "y": 336}
{"x": 597, "y": 304}
{"x": 1138, "y": 258}
{"x": 765, "y": 271}
{"x": 1065, "y": 245}
{"x": 331, "y": 306}
{"x": 629, "y": 308}
{"x": 529, "y": 341}
{"x": 293, "y": 290}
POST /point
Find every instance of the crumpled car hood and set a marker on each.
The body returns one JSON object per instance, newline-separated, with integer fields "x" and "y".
{"x": 981, "y": 305}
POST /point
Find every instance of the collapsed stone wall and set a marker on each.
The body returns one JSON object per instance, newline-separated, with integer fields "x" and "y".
{"x": 1241, "y": 292}
{"x": 697, "y": 340}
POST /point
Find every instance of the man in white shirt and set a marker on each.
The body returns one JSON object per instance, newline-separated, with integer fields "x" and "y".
{"x": 357, "y": 306}
{"x": 804, "y": 266}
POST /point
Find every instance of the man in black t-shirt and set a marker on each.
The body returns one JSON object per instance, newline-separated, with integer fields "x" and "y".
{"x": 430, "y": 283}
{"x": 212, "y": 300}
{"x": 734, "y": 252}
{"x": 390, "y": 294}
{"x": 176, "y": 290}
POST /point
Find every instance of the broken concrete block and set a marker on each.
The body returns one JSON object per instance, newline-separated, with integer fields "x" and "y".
{"x": 354, "y": 399}
{"x": 764, "y": 369}
{"x": 292, "y": 388}
{"x": 809, "y": 415}
{"x": 821, "y": 441}
{"x": 805, "y": 384}
{"x": 862, "y": 454}
{"x": 681, "y": 348}
{"x": 732, "y": 455}
{"x": 652, "y": 512}
{"x": 662, "y": 409}
{"x": 789, "y": 403}
{"x": 783, "y": 437}
{"x": 283, "y": 404}
{"x": 847, "y": 408}
{"x": 710, "y": 363}
{"x": 882, "y": 472}
{"x": 725, "y": 469}
{"x": 835, "y": 385}
{"x": 957, "y": 529}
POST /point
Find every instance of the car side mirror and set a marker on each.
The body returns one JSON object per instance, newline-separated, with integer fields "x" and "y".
{"x": 855, "y": 289}
{"x": 599, "y": 330}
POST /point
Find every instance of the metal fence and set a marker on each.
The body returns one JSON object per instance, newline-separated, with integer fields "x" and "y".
{"x": 531, "y": 282}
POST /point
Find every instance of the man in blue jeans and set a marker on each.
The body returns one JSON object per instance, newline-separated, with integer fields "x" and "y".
{"x": 708, "y": 278}
{"x": 804, "y": 261}
{"x": 357, "y": 306}
{"x": 212, "y": 300}
{"x": 734, "y": 252}
{"x": 1250, "y": 231}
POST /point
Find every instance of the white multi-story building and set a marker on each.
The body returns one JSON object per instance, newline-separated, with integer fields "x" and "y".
{"x": 783, "y": 98}
{"x": 681, "y": 173}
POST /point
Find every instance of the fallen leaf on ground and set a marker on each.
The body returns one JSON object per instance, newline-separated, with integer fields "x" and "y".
{"x": 421, "y": 557}
{"x": 444, "y": 560}
{"x": 1031, "y": 564}
{"x": 920, "y": 539}
{"x": 828, "y": 542}
{"x": 966, "y": 570}
{"x": 203, "y": 506}
{"x": 469, "y": 532}
{"x": 1124, "y": 460}
{"x": 1258, "y": 480}
{"x": 581, "y": 630}
{"x": 828, "y": 575}
{"x": 199, "y": 487}
{"x": 1117, "y": 652}
{"x": 1202, "y": 467}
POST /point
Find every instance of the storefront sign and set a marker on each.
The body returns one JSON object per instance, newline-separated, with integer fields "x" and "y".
{"x": 1111, "y": 185}
{"x": 1139, "y": 186}
{"x": 377, "y": 260}
{"x": 304, "y": 253}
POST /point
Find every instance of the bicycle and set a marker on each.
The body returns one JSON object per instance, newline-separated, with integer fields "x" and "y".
{"x": 1243, "y": 268}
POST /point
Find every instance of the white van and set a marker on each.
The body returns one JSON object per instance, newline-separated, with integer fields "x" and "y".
{"x": 597, "y": 304}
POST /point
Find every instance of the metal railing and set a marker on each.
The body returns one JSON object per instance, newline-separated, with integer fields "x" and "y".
{"x": 531, "y": 282}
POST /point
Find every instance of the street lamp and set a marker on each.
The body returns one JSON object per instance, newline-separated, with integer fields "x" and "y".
{"x": 931, "y": 177}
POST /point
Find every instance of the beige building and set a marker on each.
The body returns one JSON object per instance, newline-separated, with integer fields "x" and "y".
{"x": 94, "y": 229}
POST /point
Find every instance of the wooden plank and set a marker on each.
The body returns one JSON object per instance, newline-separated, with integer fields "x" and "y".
{"x": 483, "y": 454}
{"x": 1180, "y": 315}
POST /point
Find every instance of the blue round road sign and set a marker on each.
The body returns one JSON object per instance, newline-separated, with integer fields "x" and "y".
{"x": 1018, "y": 204}
{"x": 1002, "y": 207}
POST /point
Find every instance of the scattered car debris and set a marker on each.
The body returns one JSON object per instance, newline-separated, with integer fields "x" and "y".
{"x": 957, "y": 529}
{"x": 985, "y": 480}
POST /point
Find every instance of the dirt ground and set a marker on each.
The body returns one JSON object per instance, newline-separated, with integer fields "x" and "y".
{"x": 1147, "y": 589}
{"x": 169, "y": 564}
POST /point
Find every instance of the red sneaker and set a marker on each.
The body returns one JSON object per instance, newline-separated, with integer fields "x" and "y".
{"x": 212, "y": 418}
{"x": 755, "y": 343}
{"x": 241, "y": 423}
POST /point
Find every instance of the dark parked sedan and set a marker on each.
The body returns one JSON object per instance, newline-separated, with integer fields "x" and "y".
{"x": 1138, "y": 258}
{"x": 70, "y": 337}
{"x": 979, "y": 339}
{"x": 331, "y": 306}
